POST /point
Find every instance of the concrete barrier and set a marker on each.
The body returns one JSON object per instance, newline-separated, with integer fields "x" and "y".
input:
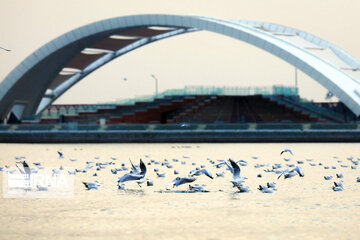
{"x": 184, "y": 136}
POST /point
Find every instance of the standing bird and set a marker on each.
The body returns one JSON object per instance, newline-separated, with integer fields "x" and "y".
{"x": 197, "y": 188}
{"x": 266, "y": 189}
{"x": 91, "y": 185}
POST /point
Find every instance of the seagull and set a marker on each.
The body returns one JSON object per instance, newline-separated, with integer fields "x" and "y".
{"x": 141, "y": 180}
{"x": 243, "y": 189}
{"x": 337, "y": 189}
{"x": 339, "y": 184}
{"x": 235, "y": 170}
{"x": 271, "y": 185}
{"x": 219, "y": 165}
{"x": 134, "y": 174}
{"x": 327, "y": 177}
{"x": 197, "y": 172}
{"x": 197, "y": 188}
{"x": 220, "y": 174}
{"x": 8, "y": 50}
{"x": 287, "y": 150}
{"x": 61, "y": 155}
{"x": 179, "y": 180}
{"x": 160, "y": 175}
{"x": 339, "y": 175}
{"x": 149, "y": 183}
{"x": 91, "y": 185}
{"x": 291, "y": 173}
{"x": 266, "y": 189}
{"x": 26, "y": 167}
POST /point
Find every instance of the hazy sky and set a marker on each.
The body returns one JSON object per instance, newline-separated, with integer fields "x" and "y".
{"x": 200, "y": 58}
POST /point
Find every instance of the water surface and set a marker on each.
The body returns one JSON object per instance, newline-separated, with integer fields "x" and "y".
{"x": 300, "y": 208}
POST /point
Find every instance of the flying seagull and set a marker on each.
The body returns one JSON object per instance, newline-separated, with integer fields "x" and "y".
{"x": 134, "y": 174}
{"x": 197, "y": 172}
{"x": 8, "y": 50}
{"x": 287, "y": 150}
{"x": 291, "y": 173}
{"x": 179, "y": 180}
{"x": 61, "y": 155}
{"x": 26, "y": 169}
{"x": 235, "y": 170}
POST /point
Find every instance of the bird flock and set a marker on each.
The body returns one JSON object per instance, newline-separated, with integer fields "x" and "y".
{"x": 130, "y": 172}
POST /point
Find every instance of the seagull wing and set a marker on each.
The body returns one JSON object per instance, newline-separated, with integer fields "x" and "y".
{"x": 26, "y": 168}
{"x": 206, "y": 172}
{"x": 299, "y": 171}
{"x": 230, "y": 167}
{"x": 60, "y": 154}
{"x": 236, "y": 169}
{"x": 193, "y": 172}
{"x": 134, "y": 170}
{"x": 142, "y": 168}
{"x": 22, "y": 171}
{"x": 283, "y": 172}
{"x": 287, "y": 150}
{"x": 186, "y": 180}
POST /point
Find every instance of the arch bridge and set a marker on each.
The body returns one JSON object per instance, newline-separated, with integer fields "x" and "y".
{"x": 55, "y": 67}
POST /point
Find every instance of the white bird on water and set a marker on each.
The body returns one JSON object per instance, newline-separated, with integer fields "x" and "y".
{"x": 197, "y": 188}
{"x": 91, "y": 185}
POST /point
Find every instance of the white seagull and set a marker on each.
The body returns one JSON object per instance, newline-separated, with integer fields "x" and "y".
{"x": 134, "y": 175}
{"x": 287, "y": 150}
{"x": 8, "y": 50}
{"x": 291, "y": 173}
{"x": 235, "y": 170}
{"x": 178, "y": 181}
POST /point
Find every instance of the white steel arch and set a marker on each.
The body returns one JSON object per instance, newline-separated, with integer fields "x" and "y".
{"x": 54, "y": 68}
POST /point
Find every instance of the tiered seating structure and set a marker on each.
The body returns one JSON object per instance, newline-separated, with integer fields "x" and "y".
{"x": 207, "y": 109}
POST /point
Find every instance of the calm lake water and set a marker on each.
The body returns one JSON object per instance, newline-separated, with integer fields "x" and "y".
{"x": 305, "y": 207}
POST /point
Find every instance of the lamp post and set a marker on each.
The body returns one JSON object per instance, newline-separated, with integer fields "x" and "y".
{"x": 156, "y": 84}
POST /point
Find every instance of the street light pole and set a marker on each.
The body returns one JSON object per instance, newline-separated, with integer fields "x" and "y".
{"x": 156, "y": 84}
